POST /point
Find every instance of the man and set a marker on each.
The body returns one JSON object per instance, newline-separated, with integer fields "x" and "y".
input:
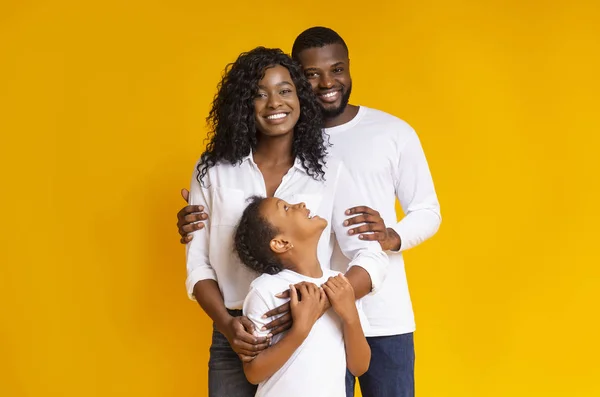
{"x": 385, "y": 157}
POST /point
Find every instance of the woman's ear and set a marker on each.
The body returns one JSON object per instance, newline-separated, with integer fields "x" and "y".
{"x": 280, "y": 246}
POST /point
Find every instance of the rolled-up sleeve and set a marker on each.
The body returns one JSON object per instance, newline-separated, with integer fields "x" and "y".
{"x": 366, "y": 254}
{"x": 197, "y": 250}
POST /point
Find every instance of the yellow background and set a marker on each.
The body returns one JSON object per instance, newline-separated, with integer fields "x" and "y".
{"x": 102, "y": 117}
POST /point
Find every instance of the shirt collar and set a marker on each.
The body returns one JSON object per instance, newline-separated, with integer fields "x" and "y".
{"x": 297, "y": 162}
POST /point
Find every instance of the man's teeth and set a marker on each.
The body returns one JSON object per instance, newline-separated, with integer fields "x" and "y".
{"x": 329, "y": 95}
{"x": 276, "y": 116}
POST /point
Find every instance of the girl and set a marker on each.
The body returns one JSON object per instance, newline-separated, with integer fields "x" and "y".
{"x": 280, "y": 241}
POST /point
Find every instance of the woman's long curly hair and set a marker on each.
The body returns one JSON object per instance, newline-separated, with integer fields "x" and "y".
{"x": 232, "y": 128}
{"x": 253, "y": 237}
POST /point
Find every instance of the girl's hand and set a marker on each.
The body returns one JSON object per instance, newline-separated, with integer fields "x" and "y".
{"x": 341, "y": 295}
{"x": 307, "y": 309}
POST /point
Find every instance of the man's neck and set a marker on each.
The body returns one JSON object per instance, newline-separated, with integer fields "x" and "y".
{"x": 348, "y": 114}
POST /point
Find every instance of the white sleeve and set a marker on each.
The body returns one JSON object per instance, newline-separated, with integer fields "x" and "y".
{"x": 198, "y": 265}
{"x": 416, "y": 193}
{"x": 254, "y": 308}
{"x": 366, "y": 254}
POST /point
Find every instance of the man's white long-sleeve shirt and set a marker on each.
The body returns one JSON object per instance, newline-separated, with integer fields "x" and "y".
{"x": 385, "y": 157}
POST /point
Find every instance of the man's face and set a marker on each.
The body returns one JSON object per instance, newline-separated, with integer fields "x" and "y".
{"x": 328, "y": 70}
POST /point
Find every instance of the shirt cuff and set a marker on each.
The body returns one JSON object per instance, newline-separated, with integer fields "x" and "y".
{"x": 196, "y": 275}
{"x": 398, "y": 229}
{"x": 376, "y": 264}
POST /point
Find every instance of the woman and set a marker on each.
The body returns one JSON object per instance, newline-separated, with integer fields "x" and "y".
{"x": 265, "y": 140}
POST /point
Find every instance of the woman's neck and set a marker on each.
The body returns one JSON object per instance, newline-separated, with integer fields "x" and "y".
{"x": 274, "y": 150}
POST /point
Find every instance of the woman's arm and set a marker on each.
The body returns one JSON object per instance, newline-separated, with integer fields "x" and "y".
{"x": 202, "y": 283}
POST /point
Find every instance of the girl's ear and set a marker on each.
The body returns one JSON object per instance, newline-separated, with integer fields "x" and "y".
{"x": 280, "y": 246}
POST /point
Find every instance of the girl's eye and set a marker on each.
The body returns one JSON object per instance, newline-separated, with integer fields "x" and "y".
{"x": 286, "y": 91}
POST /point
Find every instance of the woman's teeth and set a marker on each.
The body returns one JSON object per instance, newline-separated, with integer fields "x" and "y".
{"x": 276, "y": 116}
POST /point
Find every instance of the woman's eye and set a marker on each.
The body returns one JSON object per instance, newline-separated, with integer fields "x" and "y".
{"x": 286, "y": 91}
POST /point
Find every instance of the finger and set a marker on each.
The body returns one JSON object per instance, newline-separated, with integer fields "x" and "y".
{"x": 186, "y": 239}
{"x": 355, "y": 220}
{"x": 279, "y": 321}
{"x": 322, "y": 295}
{"x": 361, "y": 209}
{"x": 328, "y": 291}
{"x": 185, "y": 194}
{"x": 293, "y": 296}
{"x": 303, "y": 289}
{"x": 246, "y": 359}
{"x": 247, "y": 349}
{"x": 259, "y": 347}
{"x": 335, "y": 281}
{"x": 281, "y": 328}
{"x": 285, "y": 308}
{"x": 368, "y": 227}
{"x": 190, "y": 209}
{"x": 313, "y": 290}
{"x": 192, "y": 227}
{"x": 283, "y": 295}
{"x": 195, "y": 217}
{"x": 377, "y": 236}
{"x": 248, "y": 325}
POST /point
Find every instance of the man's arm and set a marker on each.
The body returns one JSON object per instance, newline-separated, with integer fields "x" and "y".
{"x": 416, "y": 193}
{"x": 368, "y": 263}
{"x": 189, "y": 219}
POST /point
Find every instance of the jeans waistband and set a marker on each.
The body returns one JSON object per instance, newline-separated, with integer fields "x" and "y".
{"x": 235, "y": 313}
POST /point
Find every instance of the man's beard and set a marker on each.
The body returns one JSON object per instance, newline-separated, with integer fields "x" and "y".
{"x": 331, "y": 113}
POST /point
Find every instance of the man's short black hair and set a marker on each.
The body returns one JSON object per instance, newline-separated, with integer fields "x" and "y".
{"x": 317, "y": 36}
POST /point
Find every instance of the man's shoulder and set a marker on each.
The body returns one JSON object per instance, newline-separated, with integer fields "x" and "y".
{"x": 385, "y": 123}
{"x": 379, "y": 116}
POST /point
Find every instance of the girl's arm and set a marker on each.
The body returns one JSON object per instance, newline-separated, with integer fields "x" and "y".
{"x": 341, "y": 295}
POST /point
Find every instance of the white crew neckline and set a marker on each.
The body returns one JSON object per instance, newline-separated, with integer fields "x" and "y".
{"x": 343, "y": 127}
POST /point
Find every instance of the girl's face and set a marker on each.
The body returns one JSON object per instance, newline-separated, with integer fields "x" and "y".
{"x": 276, "y": 105}
{"x": 293, "y": 221}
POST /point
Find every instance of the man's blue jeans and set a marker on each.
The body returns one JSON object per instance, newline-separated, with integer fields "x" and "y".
{"x": 392, "y": 369}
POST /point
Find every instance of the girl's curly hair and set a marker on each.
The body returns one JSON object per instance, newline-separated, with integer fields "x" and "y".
{"x": 232, "y": 128}
{"x": 253, "y": 238}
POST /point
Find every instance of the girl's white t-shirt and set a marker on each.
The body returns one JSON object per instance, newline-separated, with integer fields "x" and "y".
{"x": 318, "y": 367}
